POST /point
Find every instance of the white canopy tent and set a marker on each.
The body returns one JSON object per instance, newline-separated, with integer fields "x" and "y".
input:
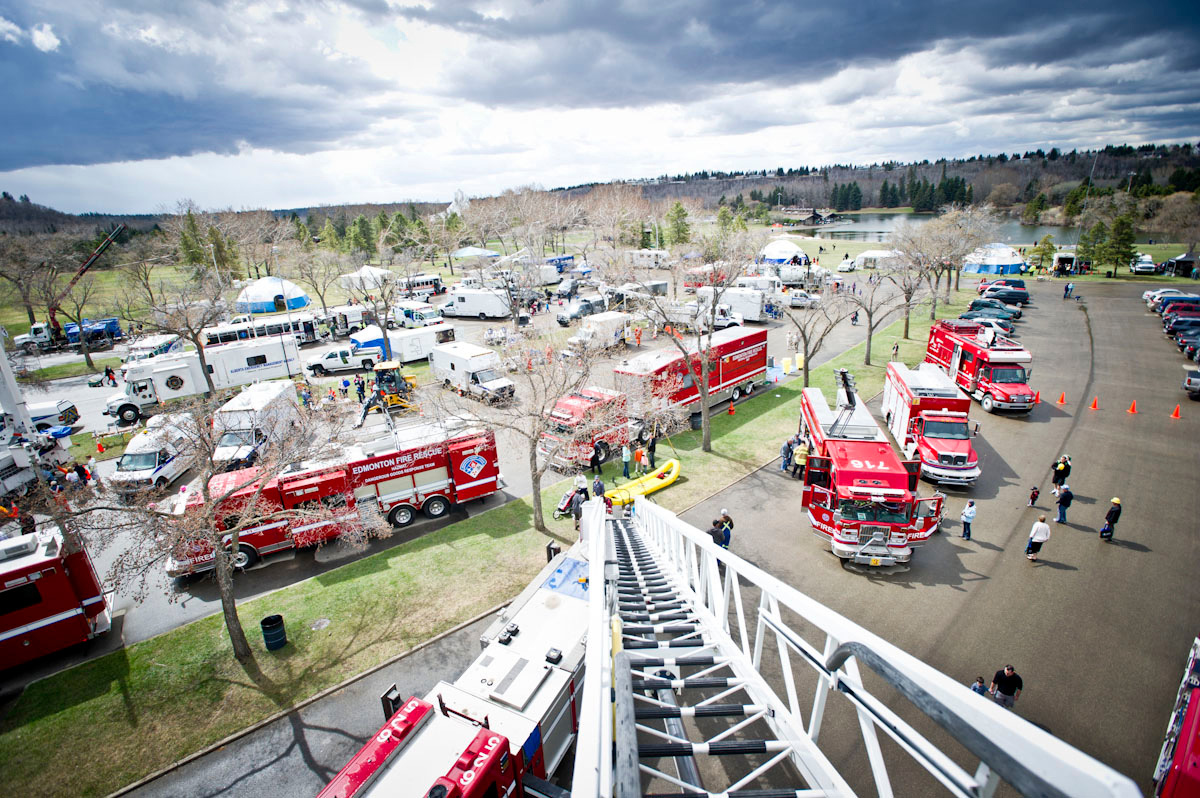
{"x": 367, "y": 278}
{"x": 270, "y": 295}
{"x": 474, "y": 252}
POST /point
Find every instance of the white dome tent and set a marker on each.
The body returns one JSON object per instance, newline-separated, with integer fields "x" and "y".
{"x": 368, "y": 278}
{"x": 781, "y": 250}
{"x": 270, "y": 295}
{"x": 993, "y": 259}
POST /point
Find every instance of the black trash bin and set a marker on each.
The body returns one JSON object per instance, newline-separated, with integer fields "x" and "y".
{"x": 1108, "y": 273}
{"x": 274, "y": 635}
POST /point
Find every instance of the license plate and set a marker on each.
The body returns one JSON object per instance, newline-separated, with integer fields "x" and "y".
{"x": 874, "y": 561}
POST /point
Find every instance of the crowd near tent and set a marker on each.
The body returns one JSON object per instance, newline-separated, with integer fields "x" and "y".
{"x": 781, "y": 250}
{"x": 993, "y": 259}
{"x": 367, "y": 278}
{"x": 270, "y": 295}
{"x": 474, "y": 252}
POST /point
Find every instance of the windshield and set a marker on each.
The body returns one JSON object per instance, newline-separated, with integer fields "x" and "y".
{"x": 487, "y": 375}
{"x": 952, "y": 430}
{"x": 237, "y": 437}
{"x": 137, "y": 462}
{"x": 1014, "y": 374}
{"x": 883, "y": 512}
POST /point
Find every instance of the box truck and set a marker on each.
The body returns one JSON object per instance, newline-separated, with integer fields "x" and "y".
{"x": 480, "y": 303}
{"x": 261, "y": 415}
{"x": 471, "y": 370}
{"x": 406, "y": 345}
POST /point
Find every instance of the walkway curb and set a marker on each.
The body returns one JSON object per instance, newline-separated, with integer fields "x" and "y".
{"x": 306, "y": 702}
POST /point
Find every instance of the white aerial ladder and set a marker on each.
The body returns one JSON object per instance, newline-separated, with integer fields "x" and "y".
{"x": 696, "y": 662}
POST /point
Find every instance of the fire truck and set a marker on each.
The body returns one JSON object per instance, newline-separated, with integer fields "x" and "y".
{"x": 859, "y": 495}
{"x": 1177, "y": 774}
{"x": 420, "y": 466}
{"x": 738, "y": 364}
{"x": 506, "y": 724}
{"x": 579, "y": 421}
{"x": 50, "y": 597}
{"x": 991, "y": 368}
{"x": 927, "y": 415}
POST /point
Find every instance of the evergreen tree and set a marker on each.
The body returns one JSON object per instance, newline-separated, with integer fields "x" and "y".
{"x": 1092, "y": 244}
{"x": 885, "y": 194}
{"x": 724, "y": 220}
{"x": 902, "y": 193}
{"x": 1119, "y": 250}
{"x": 358, "y": 235}
{"x": 329, "y": 236}
{"x": 678, "y": 229}
{"x": 1043, "y": 254}
{"x": 855, "y": 199}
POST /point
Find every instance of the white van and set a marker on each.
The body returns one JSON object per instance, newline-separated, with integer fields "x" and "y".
{"x": 412, "y": 313}
{"x": 151, "y": 346}
{"x": 262, "y": 414}
{"x": 767, "y": 284}
{"x": 156, "y": 456}
{"x": 477, "y": 302}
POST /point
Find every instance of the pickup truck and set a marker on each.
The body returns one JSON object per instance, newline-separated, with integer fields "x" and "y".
{"x": 341, "y": 359}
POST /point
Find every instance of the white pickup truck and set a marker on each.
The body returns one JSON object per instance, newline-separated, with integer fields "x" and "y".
{"x": 341, "y": 359}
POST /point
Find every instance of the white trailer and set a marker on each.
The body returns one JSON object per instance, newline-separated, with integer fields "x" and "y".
{"x": 602, "y": 331}
{"x": 260, "y": 416}
{"x": 152, "y": 381}
{"x": 749, "y": 302}
{"x": 763, "y": 282}
{"x": 479, "y": 303}
{"x": 471, "y": 370}
{"x": 347, "y": 319}
{"x": 807, "y": 277}
{"x": 406, "y": 345}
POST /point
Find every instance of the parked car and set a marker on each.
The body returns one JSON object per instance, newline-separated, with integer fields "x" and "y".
{"x": 1000, "y": 326}
{"x": 803, "y": 299}
{"x": 1008, "y": 295}
{"x": 1191, "y": 383}
{"x": 847, "y": 265}
{"x": 1012, "y": 282}
{"x": 1144, "y": 265}
{"x": 990, "y": 302}
{"x": 1155, "y": 293}
{"x": 990, "y": 314}
{"x": 1179, "y": 325}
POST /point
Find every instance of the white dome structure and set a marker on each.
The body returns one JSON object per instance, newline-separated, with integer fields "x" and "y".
{"x": 781, "y": 250}
{"x": 271, "y": 294}
{"x": 993, "y": 259}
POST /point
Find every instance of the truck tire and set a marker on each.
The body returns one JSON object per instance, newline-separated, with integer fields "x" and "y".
{"x": 319, "y": 370}
{"x": 749, "y": 388}
{"x": 368, "y": 364}
{"x": 129, "y": 414}
{"x": 988, "y": 403}
{"x": 401, "y": 515}
{"x": 436, "y": 507}
{"x": 737, "y": 394}
{"x": 29, "y": 348}
{"x": 446, "y": 385}
{"x": 604, "y": 452}
{"x": 483, "y": 317}
{"x": 160, "y": 483}
{"x": 244, "y": 557}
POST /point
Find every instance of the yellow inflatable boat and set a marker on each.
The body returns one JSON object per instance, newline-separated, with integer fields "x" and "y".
{"x": 658, "y": 479}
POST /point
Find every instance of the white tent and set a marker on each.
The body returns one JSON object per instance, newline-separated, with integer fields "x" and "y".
{"x": 366, "y": 278}
{"x": 271, "y": 294}
{"x": 877, "y": 259}
{"x": 781, "y": 250}
{"x": 473, "y": 252}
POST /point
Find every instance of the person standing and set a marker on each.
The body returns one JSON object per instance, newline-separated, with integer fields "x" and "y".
{"x": 1034, "y": 492}
{"x": 577, "y": 508}
{"x": 968, "y": 515}
{"x": 360, "y": 388}
{"x": 726, "y": 527}
{"x": 626, "y": 456}
{"x": 896, "y": 351}
{"x": 785, "y": 455}
{"x": 597, "y": 486}
{"x": 797, "y": 463}
{"x": 110, "y": 375}
{"x": 980, "y": 686}
{"x": 1007, "y": 685}
{"x": 717, "y": 533}
{"x": 1110, "y": 520}
{"x": 1066, "y": 290}
{"x": 1065, "y": 497}
{"x": 1060, "y": 471}
{"x": 581, "y": 486}
{"x": 650, "y": 446}
{"x": 345, "y": 390}
{"x": 1038, "y": 535}
{"x": 594, "y": 462}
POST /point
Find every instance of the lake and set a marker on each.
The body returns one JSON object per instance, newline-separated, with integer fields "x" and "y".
{"x": 878, "y": 226}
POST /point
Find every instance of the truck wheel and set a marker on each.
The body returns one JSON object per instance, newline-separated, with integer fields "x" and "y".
{"x": 400, "y": 516}
{"x": 436, "y": 507}
{"x": 29, "y": 349}
{"x": 749, "y": 388}
{"x": 160, "y": 483}
{"x": 483, "y": 317}
{"x": 737, "y": 394}
{"x": 244, "y": 557}
{"x": 129, "y": 414}
{"x": 446, "y": 384}
{"x": 319, "y": 370}
{"x": 988, "y": 403}
{"x": 604, "y": 452}
{"x": 368, "y": 364}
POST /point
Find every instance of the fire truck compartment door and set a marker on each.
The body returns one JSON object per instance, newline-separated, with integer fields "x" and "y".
{"x": 913, "y": 467}
{"x": 955, "y": 359}
{"x": 473, "y": 465}
{"x": 928, "y": 515}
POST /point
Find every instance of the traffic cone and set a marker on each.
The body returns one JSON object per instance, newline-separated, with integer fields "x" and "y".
{"x": 1062, "y": 398}
{"x": 732, "y": 412}
{"x": 100, "y": 446}
{"x": 1095, "y": 403}
{"x": 1176, "y": 413}
{"x": 1037, "y": 398}
{"x": 1132, "y": 407}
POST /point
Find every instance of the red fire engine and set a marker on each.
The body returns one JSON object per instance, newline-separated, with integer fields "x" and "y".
{"x": 1177, "y": 774}
{"x": 927, "y": 415}
{"x": 712, "y": 274}
{"x": 859, "y": 495}
{"x": 507, "y": 721}
{"x": 50, "y": 598}
{"x": 579, "y": 421}
{"x": 420, "y": 466}
{"x": 738, "y": 364}
{"x": 993, "y": 369}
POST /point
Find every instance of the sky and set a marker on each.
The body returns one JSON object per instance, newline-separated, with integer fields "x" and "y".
{"x": 128, "y": 106}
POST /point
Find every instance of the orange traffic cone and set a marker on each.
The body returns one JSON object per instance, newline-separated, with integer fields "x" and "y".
{"x": 1176, "y": 413}
{"x": 1037, "y": 398}
{"x": 1132, "y": 407}
{"x": 1062, "y": 398}
{"x": 732, "y": 412}
{"x": 100, "y": 446}
{"x": 1095, "y": 403}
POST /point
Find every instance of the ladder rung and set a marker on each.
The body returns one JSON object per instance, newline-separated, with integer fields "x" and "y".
{"x": 719, "y": 748}
{"x": 686, "y": 684}
{"x": 706, "y": 711}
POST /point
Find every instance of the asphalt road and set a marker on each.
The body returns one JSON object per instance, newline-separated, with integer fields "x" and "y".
{"x": 1098, "y": 632}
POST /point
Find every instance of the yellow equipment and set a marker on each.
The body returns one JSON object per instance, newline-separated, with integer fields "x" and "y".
{"x": 396, "y": 390}
{"x": 658, "y": 479}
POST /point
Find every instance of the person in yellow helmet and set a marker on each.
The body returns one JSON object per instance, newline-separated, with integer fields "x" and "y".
{"x": 1110, "y": 520}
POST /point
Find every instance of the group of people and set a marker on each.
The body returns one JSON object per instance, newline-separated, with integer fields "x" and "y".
{"x": 721, "y": 529}
{"x": 1005, "y": 688}
{"x": 787, "y": 455}
{"x": 642, "y": 457}
{"x": 72, "y": 476}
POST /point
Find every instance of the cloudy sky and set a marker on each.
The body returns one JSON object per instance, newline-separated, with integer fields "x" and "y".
{"x": 132, "y": 105}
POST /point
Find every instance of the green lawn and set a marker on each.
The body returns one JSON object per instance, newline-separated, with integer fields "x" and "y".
{"x": 64, "y": 370}
{"x": 83, "y": 445}
{"x": 161, "y": 699}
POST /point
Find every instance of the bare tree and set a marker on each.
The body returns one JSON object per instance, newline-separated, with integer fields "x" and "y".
{"x": 17, "y": 268}
{"x": 909, "y": 279}
{"x": 876, "y": 301}
{"x": 1180, "y": 216}
{"x": 74, "y": 304}
{"x": 813, "y": 326}
{"x": 319, "y": 269}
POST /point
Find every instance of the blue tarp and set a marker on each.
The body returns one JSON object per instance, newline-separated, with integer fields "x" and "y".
{"x": 993, "y": 259}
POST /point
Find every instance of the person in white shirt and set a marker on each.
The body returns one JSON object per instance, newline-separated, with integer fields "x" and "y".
{"x": 968, "y": 515}
{"x": 1038, "y": 535}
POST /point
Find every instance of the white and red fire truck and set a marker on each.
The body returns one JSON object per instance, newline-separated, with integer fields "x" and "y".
{"x": 581, "y": 420}
{"x": 50, "y": 597}
{"x": 859, "y": 495}
{"x": 506, "y": 722}
{"x": 927, "y": 415}
{"x": 738, "y": 364}
{"x": 991, "y": 368}
{"x": 420, "y": 466}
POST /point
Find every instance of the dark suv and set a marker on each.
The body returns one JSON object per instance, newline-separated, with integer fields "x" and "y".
{"x": 1007, "y": 295}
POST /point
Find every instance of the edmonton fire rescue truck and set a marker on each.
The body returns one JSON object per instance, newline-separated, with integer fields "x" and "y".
{"x": 579, "y": 422}
{"x": 859, "y": 495}
{"x": 738, "y": 364}
{"x": 419, "y": 466}
{"x": 993, "y": 369}
{"x": 927, "y": 415}
{"x": 505, "y": 725}
{"x": 1177, "y": 774}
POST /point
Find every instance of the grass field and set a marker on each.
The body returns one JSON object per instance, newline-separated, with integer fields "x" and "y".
{"x": 64, "y": 370}
{"x": 161, "y": 699}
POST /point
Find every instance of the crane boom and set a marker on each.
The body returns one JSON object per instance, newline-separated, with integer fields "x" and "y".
{"x": 83, "y": 267}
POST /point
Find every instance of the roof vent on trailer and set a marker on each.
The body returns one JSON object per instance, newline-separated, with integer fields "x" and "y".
{"x": 17, "y": 548}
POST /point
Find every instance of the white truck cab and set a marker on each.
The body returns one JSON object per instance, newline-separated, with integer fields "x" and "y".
{"x": 344, "y": 358}
{"x": 262, "y": 414}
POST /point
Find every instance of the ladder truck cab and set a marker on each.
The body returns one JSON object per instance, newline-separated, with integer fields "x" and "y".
{"x": 927, "y": 415}
{"x": 859, "y": 495}
{"x": 506, "y": 723}
{"x": 991, "y": 368}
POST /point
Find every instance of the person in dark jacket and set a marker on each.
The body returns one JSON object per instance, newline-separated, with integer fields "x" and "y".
{"x": 1065, "y": 497}
{"x": 1110, "y": 520}
{"x": 650, "y": 444}
{"x": 1060, "y": 471}
{"x": 716, "y": 532}
{"x": 594, "y": 463}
